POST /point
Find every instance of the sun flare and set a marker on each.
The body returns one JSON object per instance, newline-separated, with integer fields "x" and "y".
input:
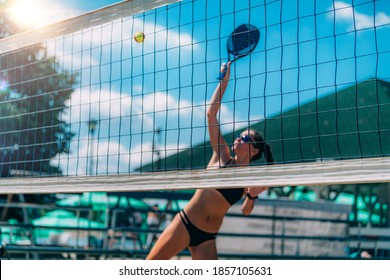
{"x": 29, "y": 13}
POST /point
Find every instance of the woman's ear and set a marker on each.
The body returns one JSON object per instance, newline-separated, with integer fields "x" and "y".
{"x": 254, "y": 151}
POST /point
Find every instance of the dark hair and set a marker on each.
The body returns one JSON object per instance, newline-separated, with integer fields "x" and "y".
{"x": 264, "y": 148}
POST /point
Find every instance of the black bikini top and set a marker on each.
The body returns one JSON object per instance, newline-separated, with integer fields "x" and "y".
{"x": 232, "y": 196}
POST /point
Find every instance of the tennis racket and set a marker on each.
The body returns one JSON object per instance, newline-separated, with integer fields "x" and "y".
{"x": 240, "y": 43}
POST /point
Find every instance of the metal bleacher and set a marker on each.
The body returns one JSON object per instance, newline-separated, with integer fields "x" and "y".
{"x": 275, "y": 234}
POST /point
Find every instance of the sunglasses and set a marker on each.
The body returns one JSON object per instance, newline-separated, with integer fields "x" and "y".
{"x": 246, "y": 138}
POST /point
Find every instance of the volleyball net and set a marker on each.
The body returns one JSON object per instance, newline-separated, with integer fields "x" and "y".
{"x": 84, "y": 107}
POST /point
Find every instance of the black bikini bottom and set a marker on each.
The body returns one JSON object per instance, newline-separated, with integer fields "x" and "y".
{"x": 197, "y": 236}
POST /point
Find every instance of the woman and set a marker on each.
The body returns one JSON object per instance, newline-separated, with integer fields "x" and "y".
{"x": 197, "y": 225}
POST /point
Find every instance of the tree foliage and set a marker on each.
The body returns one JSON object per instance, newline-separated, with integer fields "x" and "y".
{"x": 34, "y": 88}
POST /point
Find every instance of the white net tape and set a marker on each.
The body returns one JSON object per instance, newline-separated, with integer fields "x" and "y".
{"x": 309, "y": 174}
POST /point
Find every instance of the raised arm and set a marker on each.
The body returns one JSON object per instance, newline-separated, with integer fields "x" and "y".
{"x": 221, "y": 151}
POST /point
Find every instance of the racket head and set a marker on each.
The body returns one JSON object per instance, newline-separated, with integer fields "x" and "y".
{"x": 242, "y": 41}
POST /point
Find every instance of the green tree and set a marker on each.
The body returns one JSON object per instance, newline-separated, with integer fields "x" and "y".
{"x": 33, "y": 91}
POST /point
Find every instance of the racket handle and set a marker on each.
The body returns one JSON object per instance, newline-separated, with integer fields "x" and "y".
{"x": 222, "y": 71}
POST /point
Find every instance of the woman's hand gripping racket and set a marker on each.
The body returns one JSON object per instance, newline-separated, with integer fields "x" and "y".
{"x": 241, "y": 42}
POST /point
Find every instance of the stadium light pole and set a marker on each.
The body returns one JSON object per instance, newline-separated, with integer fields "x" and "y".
{"x": 157, "y": 150}
{"x": 92, "y": 124}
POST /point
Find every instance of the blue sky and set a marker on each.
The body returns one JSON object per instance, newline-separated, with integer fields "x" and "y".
{"x": 306, "y": 51}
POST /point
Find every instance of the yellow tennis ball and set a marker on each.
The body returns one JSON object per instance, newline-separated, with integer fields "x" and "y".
{"x": 139, "y": 37}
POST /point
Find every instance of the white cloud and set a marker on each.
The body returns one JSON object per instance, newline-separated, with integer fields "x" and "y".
{"x": 105, "y": 104}
{"x": 110, "y": 157}
{"x": 102, "y": 45}
{"x": 99, "y": 104}
{"x": 162, "y": 102}
{"x": 117, "y": 146}
{"x": 126, "y": 118}
{"x": 382, "y": 19}
{"x": 156, "y": 36}
{"x": 345, "y": 12}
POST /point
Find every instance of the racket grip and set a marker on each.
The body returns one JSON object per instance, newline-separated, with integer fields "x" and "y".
{"x": 222, "y": 71}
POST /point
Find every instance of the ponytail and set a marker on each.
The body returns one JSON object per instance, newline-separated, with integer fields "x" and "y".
{"x": 264, "y": 148}
{"x": 268, "y": 154}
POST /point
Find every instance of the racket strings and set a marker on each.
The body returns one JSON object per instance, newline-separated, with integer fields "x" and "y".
{"x": 243, "y": 40}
